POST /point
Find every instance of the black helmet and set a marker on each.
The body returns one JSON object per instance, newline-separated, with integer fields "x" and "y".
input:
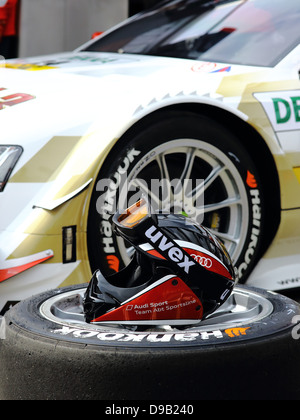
{"x": 180, "y": 273}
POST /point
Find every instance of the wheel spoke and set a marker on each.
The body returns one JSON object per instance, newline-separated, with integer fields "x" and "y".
{"x": 189, "y": 163}
{"x": 229, "y": 202}
{"x": 225, "y": 237}
{"x": 215, "y": 173}
{"x": 161, "y": 161}
{"x": 207, "y": 182}
{"x": 173, "y": 195}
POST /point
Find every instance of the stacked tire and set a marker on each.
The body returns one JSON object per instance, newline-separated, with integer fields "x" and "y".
{"x": 42, "y": 358}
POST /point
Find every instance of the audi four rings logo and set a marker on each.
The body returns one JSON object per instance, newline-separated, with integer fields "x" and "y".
{"x": 205, "y": 262}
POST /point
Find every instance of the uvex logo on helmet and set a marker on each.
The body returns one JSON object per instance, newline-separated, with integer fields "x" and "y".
{"x": 166, "y": 245}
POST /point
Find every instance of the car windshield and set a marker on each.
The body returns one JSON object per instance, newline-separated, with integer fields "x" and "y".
{"x": 247, "y": 32}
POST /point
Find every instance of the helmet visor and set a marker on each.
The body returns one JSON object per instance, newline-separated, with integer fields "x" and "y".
{"x": 133, "y": 215}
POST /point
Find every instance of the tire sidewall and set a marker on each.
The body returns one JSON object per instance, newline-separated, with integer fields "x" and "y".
{"x": 27, "y": 317}
{"x": 37, "y": 363}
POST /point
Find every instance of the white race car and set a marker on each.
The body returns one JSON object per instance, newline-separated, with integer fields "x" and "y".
{"x": 201, "y": 96}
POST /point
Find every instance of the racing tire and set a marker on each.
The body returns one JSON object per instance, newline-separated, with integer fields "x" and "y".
{"x": 180, "y": 145}
{"x": 47, "y": 352}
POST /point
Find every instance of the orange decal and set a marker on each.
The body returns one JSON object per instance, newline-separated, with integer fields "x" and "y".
{"x": 251, "y": 181}
{"x": 236, "y": 332}
{"x": 113, "y": 262}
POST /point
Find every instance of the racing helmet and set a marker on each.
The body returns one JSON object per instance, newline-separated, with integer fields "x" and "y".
{"x": 179, "y": 274}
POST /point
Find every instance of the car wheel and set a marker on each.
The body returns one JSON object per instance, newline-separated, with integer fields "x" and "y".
{"x": 248, "y": 349}
{"x": 225, "y": 192}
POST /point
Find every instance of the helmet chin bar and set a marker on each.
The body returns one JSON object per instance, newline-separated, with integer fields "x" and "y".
{"x": 167, "y": 301}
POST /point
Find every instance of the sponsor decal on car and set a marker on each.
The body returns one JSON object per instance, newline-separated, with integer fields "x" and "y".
{"x": 12, "y": 267}
{"x": 282, "y": 109}
{"x": 55, "y": 64}
{"x": 28, "y": 66}
{"x": 210, "y": 68}
{"x": 9, "y": 100}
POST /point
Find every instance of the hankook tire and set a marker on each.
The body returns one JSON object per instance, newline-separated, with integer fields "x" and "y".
{"x": 248, "y": 349}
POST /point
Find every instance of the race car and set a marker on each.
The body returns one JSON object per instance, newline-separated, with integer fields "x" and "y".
{"x": 194, "y": 104}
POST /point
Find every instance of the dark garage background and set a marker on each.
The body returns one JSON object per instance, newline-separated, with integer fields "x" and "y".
{"x": 52, "y": 26}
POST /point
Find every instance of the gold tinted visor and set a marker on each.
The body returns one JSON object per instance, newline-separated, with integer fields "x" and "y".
{"x": 134, "y": 214}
